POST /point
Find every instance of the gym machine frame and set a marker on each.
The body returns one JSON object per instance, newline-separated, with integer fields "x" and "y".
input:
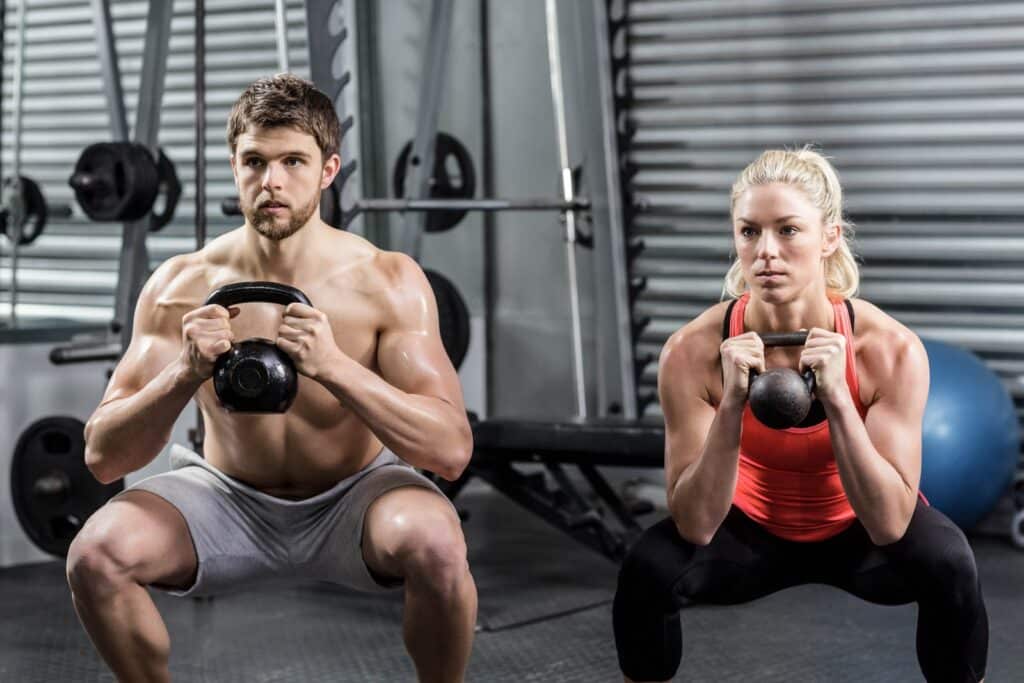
{"x": 133, "y": 265}
{"x": 501, "y": 446}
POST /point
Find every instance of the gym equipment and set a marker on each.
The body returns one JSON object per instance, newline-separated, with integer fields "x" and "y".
{"x": 115, "y": 165}
{"x": 255, "y": 376}
{"x": 26, "y": 201}
{"x": 781, "y": 397}
{"x": 970, "y": 435}
{"x": 452, "y": 315}
{"x": 120, "y": 181}
{"x": 53, "y": 491}
{"x": 506, "y": 453}
{"x": 442, "y": 184}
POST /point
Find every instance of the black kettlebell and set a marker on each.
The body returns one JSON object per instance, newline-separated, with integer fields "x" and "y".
{"x": 255, "y": 376}
{"x": 781, "y": 398}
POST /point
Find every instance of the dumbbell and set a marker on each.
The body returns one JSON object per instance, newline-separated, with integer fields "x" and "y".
{"x": 781, "y": 398}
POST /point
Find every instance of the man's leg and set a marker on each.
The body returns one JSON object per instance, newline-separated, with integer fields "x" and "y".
{"x": 413, "y": 533}
{"x": 136, "y": 540}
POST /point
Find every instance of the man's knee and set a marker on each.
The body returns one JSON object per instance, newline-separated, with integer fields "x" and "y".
{"x": 433, "y": 552}
{"x": 98, "y": 563}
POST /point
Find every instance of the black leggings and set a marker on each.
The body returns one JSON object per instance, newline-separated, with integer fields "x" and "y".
{"x": 931, "y": 565}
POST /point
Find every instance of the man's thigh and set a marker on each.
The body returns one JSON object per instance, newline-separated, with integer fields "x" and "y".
{"x": 387, "y": 504}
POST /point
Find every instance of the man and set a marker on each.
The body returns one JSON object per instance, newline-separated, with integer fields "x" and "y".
{"x": 318, "y": 492}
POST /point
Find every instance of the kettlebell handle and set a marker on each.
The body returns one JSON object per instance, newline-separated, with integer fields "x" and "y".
{"x": 784, "y": 338}
{"x": 245, "y": 292}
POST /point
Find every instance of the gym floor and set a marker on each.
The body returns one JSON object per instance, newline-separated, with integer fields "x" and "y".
{"x": 545, "y": 615}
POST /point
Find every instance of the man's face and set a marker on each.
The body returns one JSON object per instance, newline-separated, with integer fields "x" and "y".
{"x": 279, "y": 174}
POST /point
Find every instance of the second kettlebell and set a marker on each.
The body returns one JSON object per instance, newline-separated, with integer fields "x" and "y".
{"x": 255, "y": 376}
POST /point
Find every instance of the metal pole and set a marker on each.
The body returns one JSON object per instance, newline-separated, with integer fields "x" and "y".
{"x": 490, "y": 223}
{"x": 110, "y": 69}
{"x": 558, "y": 102}
{"x": 489, "y": 205}
{"x": 15, "y": 205}
{"x": 198, "y": 436}
{"x": 281, "y": 29}
{"x": 134, "y": 258}
{"x": 421, "y": 159}
{"x": 200, "y": 97}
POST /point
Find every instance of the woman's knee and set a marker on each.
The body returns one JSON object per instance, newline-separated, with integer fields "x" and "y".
{"x": 941, "y": 557}
{"x": 651, "y": 566}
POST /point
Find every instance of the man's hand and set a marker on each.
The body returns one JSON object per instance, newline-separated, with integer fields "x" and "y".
{"x": 205, "y": 334}
{"x": 305, "y": 335}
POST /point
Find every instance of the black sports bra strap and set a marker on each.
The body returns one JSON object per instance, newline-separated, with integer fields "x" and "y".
{"x": 728, "y": 319}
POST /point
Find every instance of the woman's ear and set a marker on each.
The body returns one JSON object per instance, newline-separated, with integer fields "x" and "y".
{"x": 832, "y": 240}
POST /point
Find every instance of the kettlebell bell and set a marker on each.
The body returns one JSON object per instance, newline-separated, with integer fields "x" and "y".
{"x": 255, "y": 376}
{"x": 781, "y": 398}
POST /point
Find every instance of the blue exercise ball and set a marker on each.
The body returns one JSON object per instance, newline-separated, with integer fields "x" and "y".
{"x": 971, "y": 437}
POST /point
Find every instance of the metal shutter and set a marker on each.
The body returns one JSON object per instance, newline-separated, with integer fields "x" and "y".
{"x": 919, "y": 103}
{"x": 71, "y": 270}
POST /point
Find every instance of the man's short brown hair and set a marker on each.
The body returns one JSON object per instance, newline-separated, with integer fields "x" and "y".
{"x": 286, "y": 100}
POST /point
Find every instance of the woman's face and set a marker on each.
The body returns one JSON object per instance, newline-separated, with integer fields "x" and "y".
{"x": 781, "y": 241}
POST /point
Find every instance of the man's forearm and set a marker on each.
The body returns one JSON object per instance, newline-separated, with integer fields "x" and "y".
{"x": 425, "y": 431}
{"x": 126, "y": 434}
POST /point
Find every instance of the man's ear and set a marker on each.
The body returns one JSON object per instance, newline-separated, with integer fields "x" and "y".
{"x": 330, "y": 170}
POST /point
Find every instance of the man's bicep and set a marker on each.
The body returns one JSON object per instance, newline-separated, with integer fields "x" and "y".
{"x": 145, "y": 358}
{"x": 414, "y": 360}
{"x": 155, "y": 338}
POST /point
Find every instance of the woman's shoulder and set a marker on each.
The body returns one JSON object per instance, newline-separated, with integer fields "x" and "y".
{"x": 882, "y": 341}
{"x": 698, "y": 339}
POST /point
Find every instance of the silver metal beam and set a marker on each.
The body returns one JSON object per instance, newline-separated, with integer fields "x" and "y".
{"x": 110, "y": 69}
{"x": 421, "y": 159}
{"x": 568, "y": 192}
{"x": 281, "y": 33}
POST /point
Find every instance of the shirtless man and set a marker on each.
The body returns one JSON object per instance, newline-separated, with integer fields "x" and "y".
{"x": 321, "y": 492}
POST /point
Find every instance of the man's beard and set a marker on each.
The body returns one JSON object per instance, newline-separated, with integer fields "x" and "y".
{"x": 267, "y": 224}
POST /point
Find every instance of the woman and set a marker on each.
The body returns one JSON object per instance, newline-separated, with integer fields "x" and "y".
{"x": 834, "y": 500}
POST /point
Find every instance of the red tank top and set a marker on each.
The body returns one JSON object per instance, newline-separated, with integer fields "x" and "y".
{"x": 788, "y": 479}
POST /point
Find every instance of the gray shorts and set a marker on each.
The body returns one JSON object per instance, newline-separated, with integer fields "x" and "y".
{"x": 242, "y": 535}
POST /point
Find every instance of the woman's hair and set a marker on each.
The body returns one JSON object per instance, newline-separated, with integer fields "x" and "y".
{"x": 809, "y": 171}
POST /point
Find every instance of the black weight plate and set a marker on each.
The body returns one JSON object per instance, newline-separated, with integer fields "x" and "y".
{"x": 115, "y": 181}
{"x": 170, "y": 187}
{"x": 452, "y": 315}
{"x": 443, "y": 185}
{"x": 34, "y": 211}
{"x": 53, "y": 491}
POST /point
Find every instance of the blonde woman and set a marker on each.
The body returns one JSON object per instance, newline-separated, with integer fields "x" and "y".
{"x": 834, "y": 500}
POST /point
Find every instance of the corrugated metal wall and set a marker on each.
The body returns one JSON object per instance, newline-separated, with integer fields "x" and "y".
{"x": 71, "y": 271}
{"x": 920, "y": 104}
